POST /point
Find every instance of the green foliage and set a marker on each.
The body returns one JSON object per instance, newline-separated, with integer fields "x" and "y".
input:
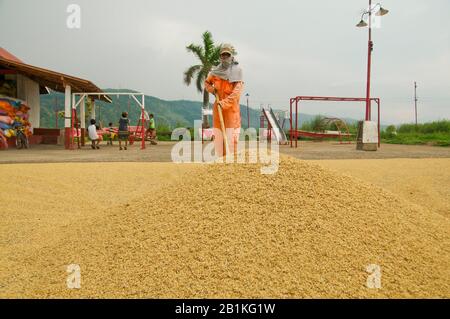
{"x": 438, "y": 139}
{"x": 442, "y": 126}
{"x": 391, "y": 130}
{"x": 208, "y": 55}
{"x": 317, "y": 124}
{"x": 433, "y": 133}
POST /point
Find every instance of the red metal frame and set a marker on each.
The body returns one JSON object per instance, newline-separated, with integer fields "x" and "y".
{"x": 139, "y": 130}
{"x": 143, "y": 129}
{"x": 296, "y": 133}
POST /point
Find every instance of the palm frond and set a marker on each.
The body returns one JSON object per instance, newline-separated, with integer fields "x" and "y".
{"x": 189, "y": 74}
{"x": 208, "y": 44}
{"x": 215, "y": 56}
{"x": 201, "y": 77}
{"x": 198, "y": 51}
{"x": 209, "y": 55}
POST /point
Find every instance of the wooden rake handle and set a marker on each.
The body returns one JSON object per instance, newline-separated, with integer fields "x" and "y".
{"x": 222, "y": 124}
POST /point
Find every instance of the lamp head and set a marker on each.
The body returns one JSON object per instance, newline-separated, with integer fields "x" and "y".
{"x": 362, "y": 24}
{"x": 382, "y": 12}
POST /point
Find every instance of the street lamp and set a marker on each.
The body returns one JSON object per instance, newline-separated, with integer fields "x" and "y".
{"x": 248, "y": 112}
{"x": 379, "y": 11}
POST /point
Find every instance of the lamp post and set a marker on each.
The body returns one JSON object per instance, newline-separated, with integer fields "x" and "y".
{"x": 248, "y": 112}
{"x": 380, "y": 12}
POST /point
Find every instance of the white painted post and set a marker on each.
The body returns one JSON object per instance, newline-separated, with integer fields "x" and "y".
{"x": 67, "y": 115}
{"x": 143, "y": 119}
{"x": 93, "y": 109}
{"x": 67, "y": 106}
{"x": 82, "y": 118}
{"x": 83, "y": 112}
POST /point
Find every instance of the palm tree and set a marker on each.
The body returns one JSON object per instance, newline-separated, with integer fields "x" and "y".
{"x": 209, "y": 56}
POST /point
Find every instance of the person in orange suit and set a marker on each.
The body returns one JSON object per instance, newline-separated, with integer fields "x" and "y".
{"x": 226, "y": 81}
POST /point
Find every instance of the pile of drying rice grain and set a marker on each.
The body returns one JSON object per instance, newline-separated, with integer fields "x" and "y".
{"x": 226, "y": 231}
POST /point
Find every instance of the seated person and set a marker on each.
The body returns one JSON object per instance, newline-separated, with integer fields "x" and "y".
{"x": 94, "y": 137}
{"x": 111, "y": 133}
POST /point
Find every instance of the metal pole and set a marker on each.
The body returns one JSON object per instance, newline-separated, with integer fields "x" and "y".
{"x": 378, "y": 103}
{"x": 290, "y": 122}
{"x": 415, "y": 100}
{"x": 369, "y": 61}
{"x": 296, "y": 122}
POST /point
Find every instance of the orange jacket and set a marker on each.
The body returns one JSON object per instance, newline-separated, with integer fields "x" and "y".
{"x": 229, "y": 95}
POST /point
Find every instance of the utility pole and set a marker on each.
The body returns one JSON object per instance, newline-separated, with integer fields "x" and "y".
{"x": 415, "y": 100}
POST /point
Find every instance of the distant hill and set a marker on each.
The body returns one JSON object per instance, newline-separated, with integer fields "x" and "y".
{"x": 171, "y": 114}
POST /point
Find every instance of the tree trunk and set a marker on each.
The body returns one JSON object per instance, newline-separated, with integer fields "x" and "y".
{"x": 205, "y": 106}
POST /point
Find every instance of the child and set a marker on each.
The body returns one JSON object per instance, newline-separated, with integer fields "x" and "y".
{"x": 92, "y": 129}
{"x": 152, "y": 130}
{"x": 123, "y": 130}
{"x": 111, "y": 134}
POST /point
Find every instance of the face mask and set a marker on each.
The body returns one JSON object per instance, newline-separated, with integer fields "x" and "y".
{"x": 227, "y": 61}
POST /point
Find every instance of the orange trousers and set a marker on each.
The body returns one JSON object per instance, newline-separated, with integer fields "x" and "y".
{"x": 233, "y": 139}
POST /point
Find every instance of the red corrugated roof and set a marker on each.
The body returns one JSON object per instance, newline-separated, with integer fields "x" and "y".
{"x": 7, "y": 55}
{"x": 47, "y": 78}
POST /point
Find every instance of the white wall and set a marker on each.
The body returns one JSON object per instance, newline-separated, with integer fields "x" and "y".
{"x": 28, "y": 91}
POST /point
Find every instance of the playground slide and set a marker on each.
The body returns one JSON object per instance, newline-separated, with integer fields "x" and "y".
{"x": 280, "y": 136}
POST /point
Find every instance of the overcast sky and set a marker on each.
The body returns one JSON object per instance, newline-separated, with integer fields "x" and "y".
{"x": 286, "y": 48}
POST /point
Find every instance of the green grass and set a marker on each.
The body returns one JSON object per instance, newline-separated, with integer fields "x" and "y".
{"x": 438, "y": 139}
{"x": 433, "y": 133}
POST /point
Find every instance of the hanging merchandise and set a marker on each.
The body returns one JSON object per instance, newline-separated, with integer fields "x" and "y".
{"x": 13, "y": 115}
